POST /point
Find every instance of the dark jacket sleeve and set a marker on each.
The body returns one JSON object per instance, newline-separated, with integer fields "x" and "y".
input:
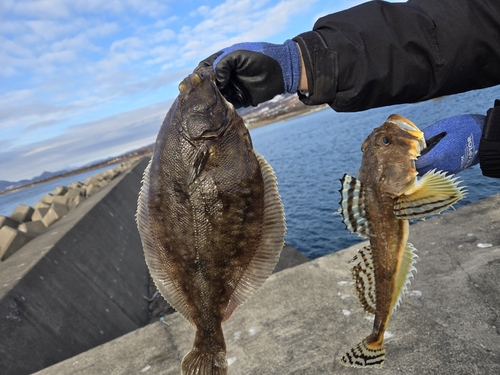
{"x": 379, "y": 53}
{"x": 489, "y": 146}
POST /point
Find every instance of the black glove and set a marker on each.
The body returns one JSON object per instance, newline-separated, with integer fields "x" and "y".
{"x": 252, "y": 73}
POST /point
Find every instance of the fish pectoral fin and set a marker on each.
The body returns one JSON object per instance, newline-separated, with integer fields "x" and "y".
{"x": 433, "y": 193}
{"x": 365, "y": 355}
{"x": 199, "y": 161}
{"x": 352, "y": 206}
{"x": 363, "y": 274}
{"x": 405, "y": 272}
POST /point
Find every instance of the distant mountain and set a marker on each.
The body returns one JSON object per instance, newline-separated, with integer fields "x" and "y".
{"x": 4, "y": 185}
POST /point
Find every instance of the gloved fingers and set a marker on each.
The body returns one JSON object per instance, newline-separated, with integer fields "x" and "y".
{"x": 209, "y": 61}
{"x": 431, "y": 142}
{"x": 428, "y": 159}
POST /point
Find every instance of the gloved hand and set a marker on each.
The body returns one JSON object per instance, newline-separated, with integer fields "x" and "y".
{"x": 452, "y": 144}
{"x": 252, "y": 73}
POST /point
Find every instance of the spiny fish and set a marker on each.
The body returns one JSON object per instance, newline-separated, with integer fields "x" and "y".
{"x": 378, "y": 205}
{"x": 210, "y": 216}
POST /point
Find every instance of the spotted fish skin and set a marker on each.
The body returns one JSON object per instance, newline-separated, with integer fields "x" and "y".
{"x": 378, "y": 205}
{"x": 210, "y": 217}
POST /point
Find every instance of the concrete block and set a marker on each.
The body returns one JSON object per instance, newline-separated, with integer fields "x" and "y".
{"x": 103, "y": 183}
{"x": 60, "y": 190}
{"x": 32, "y": 228}
{"x": 47, "y": 198}
{"x": 41, "y": 204}
{"x": 60, "y": 199}
{"x": 22, "y": 213}
{"x": 72, "y": 194}
{"x": 56, "y": 212}
{"x": 39, "y": 213}
{"x": 11, "y": 240}
{"x": 91, "y": 190}
{"x": 8, "y": 222}
{"x": 94, "y": 180}
{"x": 109, "y": 174}
{"x": 76, "y": 201}
{"x": 75, "y": 185}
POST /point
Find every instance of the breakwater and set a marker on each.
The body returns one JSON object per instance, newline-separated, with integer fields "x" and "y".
{"x": 80, "y": 283}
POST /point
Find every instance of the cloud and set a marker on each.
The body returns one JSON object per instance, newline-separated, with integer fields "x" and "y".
{"x": 84, "y": 143}
{"x": 70, "y": 67}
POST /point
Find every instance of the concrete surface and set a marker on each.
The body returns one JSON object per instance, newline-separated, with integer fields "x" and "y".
{"x": 22, "y": 213}
{"x": 8, "y": 222}
{"x": 11, "y": 240}
{"x": 78, "y": 285}
{"x": 32, "y": 228}
{"x": 304, "y": 318}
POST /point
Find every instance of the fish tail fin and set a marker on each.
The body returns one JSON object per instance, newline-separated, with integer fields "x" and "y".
{"x": 207, "y": 357}
{"x": 365, "y": 354}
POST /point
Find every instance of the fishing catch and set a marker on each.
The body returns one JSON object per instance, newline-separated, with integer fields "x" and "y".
{"x": 378, "y": 205}
{"x": 210, "y": 217}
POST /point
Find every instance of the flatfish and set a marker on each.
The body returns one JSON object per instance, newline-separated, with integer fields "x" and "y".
{"x": 210, "y": 216}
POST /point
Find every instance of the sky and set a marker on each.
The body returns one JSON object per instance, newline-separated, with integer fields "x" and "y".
{"x": 84, "y": 80}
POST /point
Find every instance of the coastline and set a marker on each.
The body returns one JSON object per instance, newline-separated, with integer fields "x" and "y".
{"x": 286, "y": 108}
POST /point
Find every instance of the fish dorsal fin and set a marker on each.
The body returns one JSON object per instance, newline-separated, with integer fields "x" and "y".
{"x": 404, "y": 274}
{"x": 352, "y": 206}
{"x": 157, "y": 263}
{"x": 430, "y": 195}
{"x": 271, "y": 243}
{"x": 363, "y": 273}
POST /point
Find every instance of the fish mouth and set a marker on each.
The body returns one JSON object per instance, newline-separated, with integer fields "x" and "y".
{"x": 410, "y": 128}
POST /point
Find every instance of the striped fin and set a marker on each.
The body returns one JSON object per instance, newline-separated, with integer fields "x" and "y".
{"x": 433, "y": 193}
{"x": 363, "y": 274}
{"x": 352, "y": 206}
{"x": 405, "y": 272}
{"x": 365, "y": 355}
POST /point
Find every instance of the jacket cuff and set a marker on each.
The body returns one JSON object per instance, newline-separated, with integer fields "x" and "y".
{"x": 489, "y": 146}
{"x": 321, "y": 69}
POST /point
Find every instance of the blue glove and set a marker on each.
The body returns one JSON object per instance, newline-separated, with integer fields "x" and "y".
{"x": 452, "y": 144}
{"x": 252, "y": 73}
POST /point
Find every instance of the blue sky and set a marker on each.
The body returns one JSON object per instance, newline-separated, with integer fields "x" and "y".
{"x": 82, "y": 80}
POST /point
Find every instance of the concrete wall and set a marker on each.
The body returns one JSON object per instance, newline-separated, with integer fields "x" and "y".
{"x": 78, "y": 285}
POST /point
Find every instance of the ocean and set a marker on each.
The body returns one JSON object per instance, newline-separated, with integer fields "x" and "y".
{"x": 29, "y": 196}
{"x": 311, "y": 153}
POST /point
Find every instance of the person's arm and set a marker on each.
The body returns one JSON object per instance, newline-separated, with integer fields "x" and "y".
{"x": 379, "y": 53}
{"x": 489, "y": 147}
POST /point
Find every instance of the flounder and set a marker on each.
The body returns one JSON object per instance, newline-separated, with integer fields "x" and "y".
{"x": 378, "y": 205}
{"x": 210, "y": 216}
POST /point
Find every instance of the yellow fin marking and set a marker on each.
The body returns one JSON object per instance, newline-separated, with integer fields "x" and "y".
{"x": 433, "y": 193}
{"x": 404, "y": 274}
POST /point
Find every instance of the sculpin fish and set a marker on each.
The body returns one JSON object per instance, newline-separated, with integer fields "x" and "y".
{"x": 378, "y": 205}
{"x": 210, "y": 217}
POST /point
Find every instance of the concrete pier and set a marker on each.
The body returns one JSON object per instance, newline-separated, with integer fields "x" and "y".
{"x": 304, "y": 318}
{"x": 78, "y": 285}
{"x": 72, "y": 302}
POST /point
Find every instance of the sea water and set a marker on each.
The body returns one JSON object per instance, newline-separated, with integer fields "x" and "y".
{"x": 29, "y": 196}
{"x": 310, "y": 154}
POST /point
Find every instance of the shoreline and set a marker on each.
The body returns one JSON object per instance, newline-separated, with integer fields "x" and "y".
{"x": 294, "y": 111}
